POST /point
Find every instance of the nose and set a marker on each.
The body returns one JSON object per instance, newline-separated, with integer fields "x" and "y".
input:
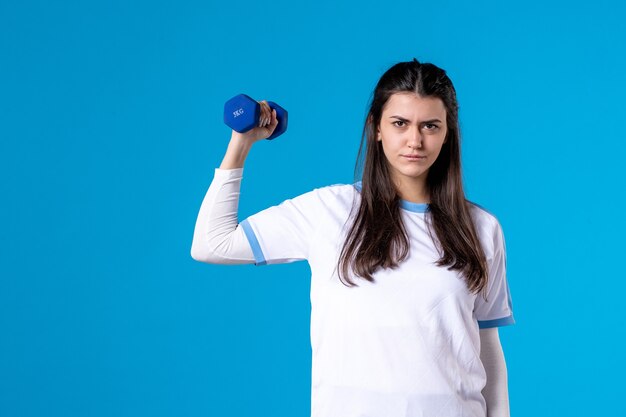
{"x": 415, "y": 138}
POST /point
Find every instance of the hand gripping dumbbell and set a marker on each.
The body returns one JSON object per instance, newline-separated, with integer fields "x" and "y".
{"x": 241, "y": 113}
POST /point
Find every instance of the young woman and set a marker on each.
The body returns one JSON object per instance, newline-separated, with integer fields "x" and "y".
{"x": 408, "y": 283}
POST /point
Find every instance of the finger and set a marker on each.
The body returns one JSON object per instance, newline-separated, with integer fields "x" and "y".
{"x": 261, "y": 113}
{"x": 260, "y": 121}
{"x": 268, "y": 115}
{"x": 265, "y": 113}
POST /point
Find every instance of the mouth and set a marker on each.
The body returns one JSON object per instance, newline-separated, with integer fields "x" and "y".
{"x": 414, "y": 157}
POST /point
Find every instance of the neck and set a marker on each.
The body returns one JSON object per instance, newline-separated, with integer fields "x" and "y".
{"x": 413, "y": 190}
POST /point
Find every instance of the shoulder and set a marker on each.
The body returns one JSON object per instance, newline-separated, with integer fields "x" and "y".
{"x": 481, "y": 215}
{"x": 325, "y": 196}
{"x": 336, "y": 191}
{"x": 487, "y": 225}
{"x": 334, "y": 197}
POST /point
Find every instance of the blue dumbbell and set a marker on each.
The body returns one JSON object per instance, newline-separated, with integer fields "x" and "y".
{"x": 241, "y": 113}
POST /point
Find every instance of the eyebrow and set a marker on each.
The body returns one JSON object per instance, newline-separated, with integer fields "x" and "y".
{"x": 407, "y": 120}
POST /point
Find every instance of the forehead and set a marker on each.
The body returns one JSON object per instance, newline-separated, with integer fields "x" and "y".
{"x": 411, "y": 106}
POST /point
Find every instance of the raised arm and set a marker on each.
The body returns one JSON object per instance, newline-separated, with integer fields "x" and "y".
{"x": 217, "y": 237}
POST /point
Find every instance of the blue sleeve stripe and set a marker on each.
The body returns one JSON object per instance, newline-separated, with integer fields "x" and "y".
{"x": 254, "y": 243}
{"x": 504, "y": 321}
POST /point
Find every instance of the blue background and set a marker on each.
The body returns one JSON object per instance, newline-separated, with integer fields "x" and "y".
{"x": 111, "y": 128}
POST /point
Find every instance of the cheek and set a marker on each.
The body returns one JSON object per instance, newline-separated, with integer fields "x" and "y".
{"x": 438, "y": 143}
{"x": 436, "y": 152}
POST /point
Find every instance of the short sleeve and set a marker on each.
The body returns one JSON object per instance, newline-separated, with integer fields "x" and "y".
{"x": 498, "y": 309}
{"x": 283, "y": 233}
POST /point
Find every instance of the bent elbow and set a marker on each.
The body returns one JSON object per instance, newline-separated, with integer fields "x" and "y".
{"x": 225, "y": 249}
{"x": 207, "y": 256}
{"x": 200, "y": 254}
{"x": 194, "y": 254}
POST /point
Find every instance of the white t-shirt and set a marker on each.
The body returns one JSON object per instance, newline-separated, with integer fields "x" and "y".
{"x": 406, "y": 345}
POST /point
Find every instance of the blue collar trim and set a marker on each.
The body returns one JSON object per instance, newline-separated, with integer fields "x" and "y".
{"x": 405, "y": 204}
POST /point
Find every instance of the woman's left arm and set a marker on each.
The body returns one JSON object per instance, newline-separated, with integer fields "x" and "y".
{"x": 496, "y": 391}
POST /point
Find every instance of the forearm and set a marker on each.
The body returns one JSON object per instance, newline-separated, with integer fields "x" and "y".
{"x": 237, "y": 152}
{"x": 496, "y": 389}
{"x": 217, "y": 237}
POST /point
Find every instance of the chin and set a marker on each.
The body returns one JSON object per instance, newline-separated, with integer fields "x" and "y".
{"x": 414, "y": 174}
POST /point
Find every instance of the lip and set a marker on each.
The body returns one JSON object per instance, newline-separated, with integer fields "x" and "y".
{"x": 414, "y": 157}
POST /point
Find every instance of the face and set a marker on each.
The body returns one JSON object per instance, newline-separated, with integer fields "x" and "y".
{"x": 412, "y": 125}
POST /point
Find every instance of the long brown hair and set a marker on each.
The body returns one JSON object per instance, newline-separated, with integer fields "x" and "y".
{"x": 377, "y": 237}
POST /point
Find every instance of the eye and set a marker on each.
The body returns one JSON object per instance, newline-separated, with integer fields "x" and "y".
{"x": 434, "y": 126}
{"x": 398, "y": 121}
